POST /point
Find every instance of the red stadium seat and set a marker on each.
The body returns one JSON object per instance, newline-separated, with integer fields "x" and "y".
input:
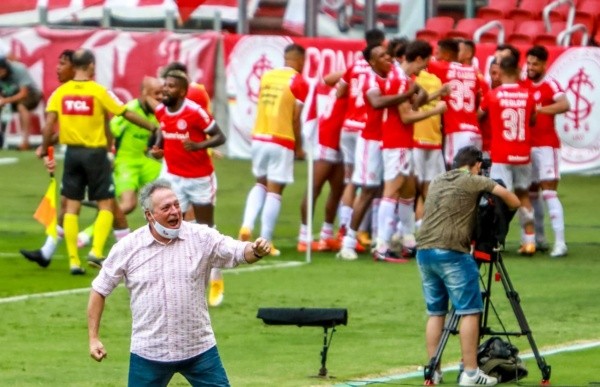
{"x": 465, "y": 28}
{"x": 588, "y": 13}
{"x": 528, "y": 10}
{"x": 492, "y": 36}
{"x": 549, "y": 38}
{"x": 496, "y": 9}
{"x": 526, "y": 31}
{"x": 435, "y": 28}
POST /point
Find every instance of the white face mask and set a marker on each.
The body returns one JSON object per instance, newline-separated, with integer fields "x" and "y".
{"x": 169, "y": 233}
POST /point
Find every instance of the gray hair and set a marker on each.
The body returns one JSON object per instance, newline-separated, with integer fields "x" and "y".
{"x": 147, "y": 191}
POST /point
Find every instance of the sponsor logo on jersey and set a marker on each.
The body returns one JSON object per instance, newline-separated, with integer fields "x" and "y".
{"x": 77, "y": 105}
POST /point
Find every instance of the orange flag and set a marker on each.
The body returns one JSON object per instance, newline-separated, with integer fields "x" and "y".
{"x": 46, "y": 211}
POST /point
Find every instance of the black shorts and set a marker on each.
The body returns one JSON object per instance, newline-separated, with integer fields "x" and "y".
{"x": 87, "y": 167}
{"x": 31, "y": 101}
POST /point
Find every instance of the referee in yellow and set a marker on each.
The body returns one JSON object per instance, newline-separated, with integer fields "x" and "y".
{"x": 80, "y": 107}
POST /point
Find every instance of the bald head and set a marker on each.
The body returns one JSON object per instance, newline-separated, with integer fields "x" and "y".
{"x": 151, "y": 88}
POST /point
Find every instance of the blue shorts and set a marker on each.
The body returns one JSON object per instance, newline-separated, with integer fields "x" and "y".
{"x": 203, "y": 370}
{"x": 449, "y": 275}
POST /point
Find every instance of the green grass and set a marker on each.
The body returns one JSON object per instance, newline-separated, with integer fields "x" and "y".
{"x": 43, "y": 341}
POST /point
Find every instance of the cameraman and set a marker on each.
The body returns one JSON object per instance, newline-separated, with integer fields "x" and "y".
{"x": 447, "y": 269}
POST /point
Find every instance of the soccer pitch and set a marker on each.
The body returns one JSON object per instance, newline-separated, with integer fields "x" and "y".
{"x": 43, "y": 327}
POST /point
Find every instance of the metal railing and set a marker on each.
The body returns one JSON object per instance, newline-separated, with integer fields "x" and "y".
{"x": 564, "y": 37}
{"x": 494, "y": 24}
{"x": 555, "y": 4}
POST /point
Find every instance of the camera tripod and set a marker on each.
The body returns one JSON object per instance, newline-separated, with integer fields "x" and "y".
{"x": 494, "y": 259}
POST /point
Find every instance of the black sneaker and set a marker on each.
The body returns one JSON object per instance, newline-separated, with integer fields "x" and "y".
{"x": 388, "y": 256}
{"x": 95, "y": 261}
{"x": 35, "y": 256}
{"x": 76, "y": 270}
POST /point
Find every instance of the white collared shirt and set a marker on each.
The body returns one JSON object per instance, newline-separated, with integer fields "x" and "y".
{"x": 167, "y": 285}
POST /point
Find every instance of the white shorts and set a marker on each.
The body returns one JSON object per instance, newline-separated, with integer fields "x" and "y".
{"x": 453, "y": 142}
{"x": 428, "y": 163}
{"x": 273, "y": 161}
{"x": 514, "y": 176}
{"x": 348, "y": 145}
{"x": 368, "y": 169}
{"x": 545, "y": 163}
{"x": 396, "y": 162}
{"x": 193, "y": 190}
{"x": 328, "y": 154}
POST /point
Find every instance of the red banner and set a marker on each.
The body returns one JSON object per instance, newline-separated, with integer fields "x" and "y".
{"x": 122, "y": 58}
{"x": 248, "y": 57}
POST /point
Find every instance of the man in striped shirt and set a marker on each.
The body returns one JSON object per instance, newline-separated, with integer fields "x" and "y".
{"x": 166, "y": 268}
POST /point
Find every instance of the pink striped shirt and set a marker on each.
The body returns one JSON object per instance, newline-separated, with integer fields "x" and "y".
{"x": 167, "y": 285}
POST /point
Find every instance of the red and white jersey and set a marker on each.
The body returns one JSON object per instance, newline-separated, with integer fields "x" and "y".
{"x": 485, "y": 126}
{"x": 509, "y": 108}
{"x": 189, "y": 122}
{"x": 545, "y": 92}
{"x": 395, "y": 133}
{"x": 356, "y": 77}
{"x": 372, "y": 130}
{"x": 331, "y": 118}
{"x": 465, "y": 89}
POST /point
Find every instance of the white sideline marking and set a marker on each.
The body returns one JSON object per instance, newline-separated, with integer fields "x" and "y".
{"x": 415, "y": 374}
{"x": 25, "y": 297}
{"x": 8, "y": 160}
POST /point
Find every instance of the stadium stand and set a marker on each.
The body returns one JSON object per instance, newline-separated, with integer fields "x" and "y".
{"x": 465, "y": 28}
{"x": 528, "y": 10}
{"x": 496, "y": 9}
{"x": 436, "y": 28}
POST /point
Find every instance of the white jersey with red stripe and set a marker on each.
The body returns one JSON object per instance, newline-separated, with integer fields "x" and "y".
{"x": 465, "y": 90}
{"x": 545, "y": 92}
{"x": 189, "y": 122}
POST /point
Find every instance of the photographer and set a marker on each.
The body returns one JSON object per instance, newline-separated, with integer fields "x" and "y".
{"x": 447, "y": 269}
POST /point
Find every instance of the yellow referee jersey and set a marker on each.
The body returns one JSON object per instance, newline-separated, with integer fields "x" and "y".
{"x": 81, "y": 107}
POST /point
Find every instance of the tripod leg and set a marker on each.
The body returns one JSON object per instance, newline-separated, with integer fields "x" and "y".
{"x": 515, "y": 303}
{"x": 449, "y": 328}
{"x": 323, "y": 370}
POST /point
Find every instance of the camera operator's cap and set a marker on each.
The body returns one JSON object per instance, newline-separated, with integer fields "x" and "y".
{"x": 467, "y": 155}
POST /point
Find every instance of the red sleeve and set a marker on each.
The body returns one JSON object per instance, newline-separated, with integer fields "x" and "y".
{"x": 347, "y": 77}
{"x": 485, "y": 101}
{"x": 436, "y": 68}
{"x": 299, "y": 88}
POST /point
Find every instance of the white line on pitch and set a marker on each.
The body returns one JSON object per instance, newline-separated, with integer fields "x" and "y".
{"x": 24, "y": 297}
{"x": 416, "y": 374}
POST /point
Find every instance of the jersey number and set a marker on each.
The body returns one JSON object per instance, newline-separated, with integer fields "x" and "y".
{"x": 462, "y": 95}
{"x": 514, "y": 124}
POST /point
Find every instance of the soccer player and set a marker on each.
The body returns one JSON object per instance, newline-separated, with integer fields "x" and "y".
{"x": 397, "y": 145}
{"x": 83, "y": 103}
{"x": 368, "y": 171}
{"x": 276, "y": 141}
{"x": 428, "y": 158}
{"x": 466, "y": 52}
{"x": 327, "y": 167}
{"x": 550, "y": 100}
{"x": 511, "y": 110}
{"x": 460, "y": 121}
{"x": 197, "y": 93}
{"x": 351, "y": 86}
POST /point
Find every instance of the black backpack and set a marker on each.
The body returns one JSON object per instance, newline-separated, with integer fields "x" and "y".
{"x": 500, "y": 359}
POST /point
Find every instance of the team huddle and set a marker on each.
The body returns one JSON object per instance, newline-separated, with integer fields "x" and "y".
{"x": 397, "y": 118}
{"x": 393, "y": 121}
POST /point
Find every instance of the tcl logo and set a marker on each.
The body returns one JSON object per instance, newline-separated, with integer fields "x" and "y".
{"x": 78, "y": 105}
